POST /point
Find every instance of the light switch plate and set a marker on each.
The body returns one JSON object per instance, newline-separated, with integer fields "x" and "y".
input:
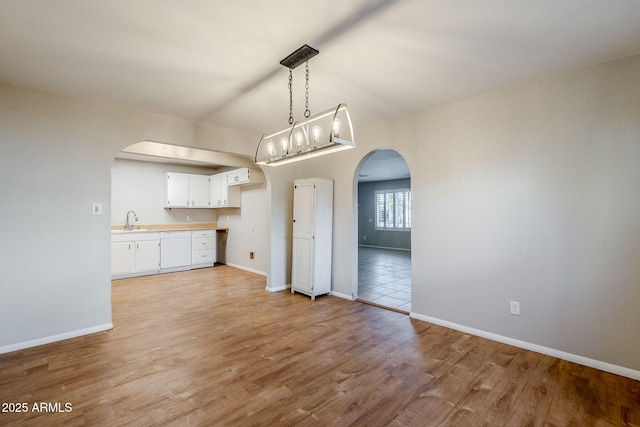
{"x": 96, "y": 209}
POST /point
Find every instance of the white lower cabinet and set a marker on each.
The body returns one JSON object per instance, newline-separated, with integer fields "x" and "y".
{"x": 203, "y": 246}
{"x": 138, "y": 254}
{"x": 135, "y": 253}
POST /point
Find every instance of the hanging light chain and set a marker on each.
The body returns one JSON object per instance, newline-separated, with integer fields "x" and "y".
{"x": 290, "y": 96}
{"x": 307, "y": 112}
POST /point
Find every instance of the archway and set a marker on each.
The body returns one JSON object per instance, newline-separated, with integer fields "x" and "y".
{"x": 384, "y": 230}
{"x": 137, "y": 185}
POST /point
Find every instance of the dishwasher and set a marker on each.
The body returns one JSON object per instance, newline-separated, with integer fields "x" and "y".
{"x": 175, "y": 249}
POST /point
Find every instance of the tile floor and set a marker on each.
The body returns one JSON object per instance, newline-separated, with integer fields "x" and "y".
{"x": 384, "y": 277}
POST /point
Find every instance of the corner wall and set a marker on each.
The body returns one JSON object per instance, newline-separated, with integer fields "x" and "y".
{"x": 56, "y": 159}
{"x": 530, "y": 194}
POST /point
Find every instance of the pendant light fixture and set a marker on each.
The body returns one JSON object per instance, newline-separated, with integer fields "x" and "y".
{"x": 323, "y": 133}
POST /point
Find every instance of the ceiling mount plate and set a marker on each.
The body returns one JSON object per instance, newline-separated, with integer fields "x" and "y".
{"x": 302, "y": 54}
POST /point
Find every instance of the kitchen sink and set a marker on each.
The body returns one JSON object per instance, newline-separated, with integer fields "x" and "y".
{"x": 124, "y": 230}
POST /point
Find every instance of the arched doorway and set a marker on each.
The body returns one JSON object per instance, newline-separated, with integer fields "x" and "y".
{"x": 384, "y": 230}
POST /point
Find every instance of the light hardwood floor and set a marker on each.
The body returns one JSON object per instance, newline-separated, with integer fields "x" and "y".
{"x": 211, "y": 347}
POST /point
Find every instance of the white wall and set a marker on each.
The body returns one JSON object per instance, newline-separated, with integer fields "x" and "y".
{"x": 56, "y": 158}
{"x": 248, "y": 230}
{"x": 530, "y": 194}
{"x": 139, "y": 186}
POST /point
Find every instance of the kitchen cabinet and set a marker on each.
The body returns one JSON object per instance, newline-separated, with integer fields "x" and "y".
{"x": 176, "y": 190}
{"x": 203, "y": 246}
{"x": 221, "y": 195}
{"x": 135, "y": 253}
{"x": 222, "y": 190}
{"x": 244, "y": 176}
{"x": 199, "y": 191}
{"x": 312, "y": 236}
{"x": 185, "y": 190}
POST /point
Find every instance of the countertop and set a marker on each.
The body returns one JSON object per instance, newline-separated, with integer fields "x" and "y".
{"x": 154, "y": 228}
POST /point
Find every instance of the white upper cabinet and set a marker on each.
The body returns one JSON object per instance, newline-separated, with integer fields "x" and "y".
{"x": 222, "y": 190}
{"x": 221, "y": 195}
{"x": 176, "y": 190}
{"x": 199, "y": 191}
{"x": 217, "y": 189}
{"x": 183, "y": 190}
{"x": 244, "y": 176}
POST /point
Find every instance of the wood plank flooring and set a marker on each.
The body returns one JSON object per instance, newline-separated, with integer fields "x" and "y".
{"x": 212, "y": 347}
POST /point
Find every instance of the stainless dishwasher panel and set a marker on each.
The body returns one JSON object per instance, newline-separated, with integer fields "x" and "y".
{"x": 175, "y": 249}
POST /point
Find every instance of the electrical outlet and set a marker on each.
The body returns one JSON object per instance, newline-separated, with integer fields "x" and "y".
{"x": 250, "y": 255}
{"x": 515, "y": 308}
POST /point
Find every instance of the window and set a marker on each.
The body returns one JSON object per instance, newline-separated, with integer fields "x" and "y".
{"x": 393, "y": 209}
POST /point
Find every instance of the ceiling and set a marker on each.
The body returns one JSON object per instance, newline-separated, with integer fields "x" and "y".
{"x": 384, "y": 165}
{"x": 217, "y": 62}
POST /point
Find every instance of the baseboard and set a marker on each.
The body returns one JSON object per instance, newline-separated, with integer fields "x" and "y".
{"x": 341, "y": 295}
{"x": 278, "y": 288}
{"x": 581, "y": 360}
{"x": 384, "y": 247}
{"x": 54, "y": 338}
{"x": 251, "y": 270}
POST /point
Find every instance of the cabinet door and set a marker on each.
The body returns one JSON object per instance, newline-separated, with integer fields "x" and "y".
{"x": 303, "y": 239}
{"x": 122, "y": 258}
{"x": 301, "y": 272}
{"x": 232, "y": 177}
{"x": 303, "y": 208}
{"x": 147, "y": 255}
{"x": 242, "y": 176}
{"x": 224, "y": 190}
{"x": 214, "y": 190}
{"x": 199, "y": 191}
{"x": 177, "y": 189}
{"x": 238, "y": 176}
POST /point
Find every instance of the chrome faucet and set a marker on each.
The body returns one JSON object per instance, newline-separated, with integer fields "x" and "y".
{"x": 129, "y": 225}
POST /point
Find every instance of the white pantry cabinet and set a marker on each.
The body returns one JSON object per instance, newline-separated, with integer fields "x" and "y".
{"x": 312, "y": 236}
{"x": 135, "y": 253}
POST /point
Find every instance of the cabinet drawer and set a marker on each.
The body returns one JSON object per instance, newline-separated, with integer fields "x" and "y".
{"x": 203, "y": 233}
{"x": 203, "y": 257}
{"x": 200, "y": 243}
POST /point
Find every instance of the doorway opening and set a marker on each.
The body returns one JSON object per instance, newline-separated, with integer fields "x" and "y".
{"x": 384, "y": 230}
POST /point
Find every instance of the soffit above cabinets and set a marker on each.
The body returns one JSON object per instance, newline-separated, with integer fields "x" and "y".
{"x": 151, "y": 151}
